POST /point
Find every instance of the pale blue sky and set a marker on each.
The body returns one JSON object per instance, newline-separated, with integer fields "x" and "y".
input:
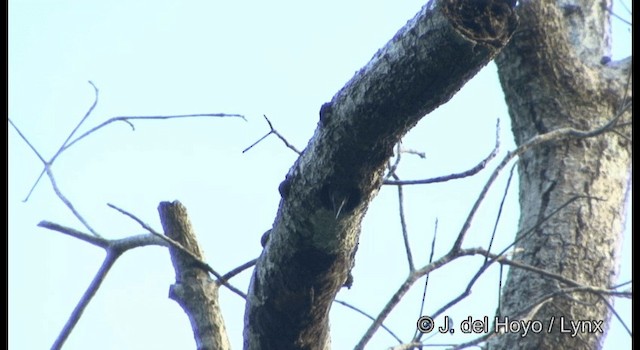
{"x": 279, "y": 58}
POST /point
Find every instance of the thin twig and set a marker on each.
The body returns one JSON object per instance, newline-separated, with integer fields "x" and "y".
{"x": 625, "y": 21}
{"x": 449, "y": 257}
{"x": 393, "y": 167}
{"x": 426, "y": 280}
{"x": 476, "y": 169}
{"x": 490, "y": 335}
{"x": 616, "y": 314}
{"x": 67, "y": 202}
{"x": 97, "y": 241}
{"x": 275, "y": 132}
{"x": 108, "y": 262}
{"x": 170, "y": 241}
{"x": 403, "y": 225}
{"x": 179, "y": 247}
{"x": 620, "y": 285}
{"x": 522, "y": 234}
{"x": 86, "y": 115}
{"x": 127, "y": 119}
{"x": 59, "y": 151}
{"x": 504, "y": 197}
{"x": 552, "y": 136}
{"x": 399, "y": 294}
{"x": 24, "y": 138}
{"x": 344, "y": 303}
{"x": 121, "y": 244}
{"x": 625, "y": 7}
{"x": 414, "y": 152}
{"x": 229, "y": 275}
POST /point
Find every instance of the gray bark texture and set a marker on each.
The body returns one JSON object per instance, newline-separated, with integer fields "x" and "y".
{"x": 553, "y": 76}
{"x": 309, "y": 251}
{"x": 194, "y": 289}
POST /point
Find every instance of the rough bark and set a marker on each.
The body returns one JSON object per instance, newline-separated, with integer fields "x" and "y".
{"x": 553, "y": 76}
{"x": 194, "y": 289}
{"x": 310, "y": 249}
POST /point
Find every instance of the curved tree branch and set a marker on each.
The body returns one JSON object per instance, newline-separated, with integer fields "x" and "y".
{"x": 326, "y": 193}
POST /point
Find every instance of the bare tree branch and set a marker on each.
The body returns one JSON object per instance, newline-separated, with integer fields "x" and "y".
{"x": 275, "y": 132}
{"x": 392, "y": 167}
{"x": 449, "y": 257}
{"x": 530, "y": 310}
{"x": 403, "y": 225}
{"x": 97, "y": 241}
{"x": 194, "y": 290}
{"x": 229, "y": 275}
{"x": 47, "y": 170}
{"x": 426, "y": 279}
{"x": 476, "y": 169}
{"x": 344, "y": 303}
{"x": 127, "y": 119}
{"x": 108, "y": 262}
{"x": 413, "y": 151}
{"x": 179, "y": 247}
{"x": 504, "y": 197}
{"x": 552, "y": 136}
{"x": 622, "y": 19}
{"x": 66, "y": 144}
{"x": 24, "y": 138}
{"x": 61, "y": 149}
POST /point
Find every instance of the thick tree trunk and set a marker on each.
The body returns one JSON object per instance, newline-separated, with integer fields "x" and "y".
{"x": 310, "y": 249}
{"x": 553, "y": 76}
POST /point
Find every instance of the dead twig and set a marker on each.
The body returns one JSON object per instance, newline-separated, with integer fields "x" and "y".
{"x": 476, "y": 169}
{"x": 179, "y": 247}
{"x": 275, "y": 132}
{"x": 345, "y": 304}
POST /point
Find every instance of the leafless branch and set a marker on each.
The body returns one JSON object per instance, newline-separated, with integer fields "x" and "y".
{"x": 58, "y": 192}
{"x": 97, "y": 241}
{"x": 229, "y": 275}
{"x": 530, "y": 310}
{"x": 344, "y": 303}
{"x": 122, "y": 244}
{"x": 84, "y": 118}
{"x": 426, "y": 278}
{"x": 403, "y": 225}
{"x": 24, "y": 138}
{"x": 179, "y": 247}
{"x": 620, "y": 285}
{"x": 476, "y": 169}
{"x": 68, "y": 143}
{"x": 275, "y": 132}
{"x": 624, "y": 20}
{"x": 552, "y": 136}
{"x": 414, "y": 152}
{"x": 128, "y": 119}
{"x": 402, "y": 290}
{"x": 391, "y": 171}
{"x": 59, "y": 151}
{"x": 504, "y": 197}
{"x": 108, "y": 262}
{"x": 625, "y": 7}
{"x": 449, "y": 257}
{"x": 616, "y": 314}
{"x": 221, "y": 280}
{"x": 67, "y": 202}
{"x": 114, "y": 249}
